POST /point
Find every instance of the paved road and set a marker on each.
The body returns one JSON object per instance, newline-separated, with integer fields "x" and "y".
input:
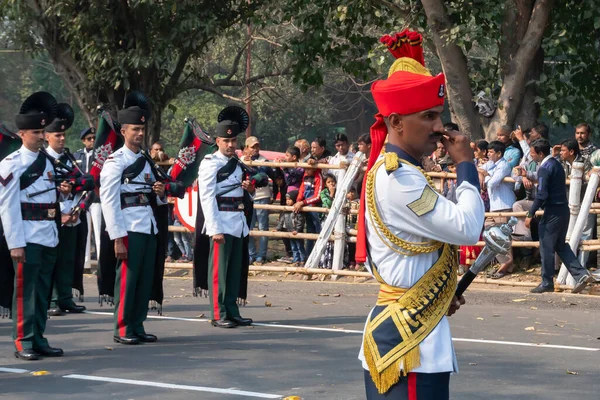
{"x": 196, "y": 361}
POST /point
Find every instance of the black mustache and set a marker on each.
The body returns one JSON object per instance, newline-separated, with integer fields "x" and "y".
{"x": 435, "y": 135}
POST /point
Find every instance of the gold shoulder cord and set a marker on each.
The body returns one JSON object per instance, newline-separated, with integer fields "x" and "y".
{"x": 401, "y": 246}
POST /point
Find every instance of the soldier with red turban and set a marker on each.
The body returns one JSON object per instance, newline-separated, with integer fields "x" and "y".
{"x": 407, "y": 232}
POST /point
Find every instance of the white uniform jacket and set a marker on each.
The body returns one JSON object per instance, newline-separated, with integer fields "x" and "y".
{"x": 220, "y": 222}
{"x": 458, "y": 224}
{"x": 132, "y": 219}
{"x": 66, "y": 202}
{"x": 18, "y": 232}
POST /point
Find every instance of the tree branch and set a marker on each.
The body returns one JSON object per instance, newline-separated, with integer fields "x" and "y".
{"x": 401, "y": 12}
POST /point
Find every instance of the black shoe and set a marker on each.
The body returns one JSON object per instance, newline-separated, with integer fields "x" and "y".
{"x": 241, "y": 321}
{"x": 583, "y": 282}
{"x": 126, "y": 339}
{"x": 27, "y": 354}
{"x": 74, "y": 309}
{"x": 55, "y": 312}
{"x": 542, "y": 289}
{"x": 147, "y": 338}
{"x": 223, "y": 323}
{"x": 49, "y": 351}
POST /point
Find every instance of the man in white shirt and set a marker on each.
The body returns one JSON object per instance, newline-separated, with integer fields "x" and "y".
{"x": 221, "y": 186}
{"x": 344, "y": 155}
{"x": 502, "y": 195}
{"x": 94, "y": 215}
{"x": 406, "y": 229}
{"x": 62, "y": 293}
{"x": 128, "y": 190}
{"x": 29, "y": 212}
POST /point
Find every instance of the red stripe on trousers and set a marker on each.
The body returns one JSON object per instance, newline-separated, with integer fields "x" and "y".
{"x": 412, "y": 386}
{"x": 20, "y": 306}
{"x": 122, "y": 290}
{"x": 215, "y": 260}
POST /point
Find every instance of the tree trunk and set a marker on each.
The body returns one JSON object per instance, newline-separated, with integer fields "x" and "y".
{"x": 454, "y": 65}
{"x": 153, "y": 133}
{"x": 529, "y": 112}
{"x": 513, "y": 89}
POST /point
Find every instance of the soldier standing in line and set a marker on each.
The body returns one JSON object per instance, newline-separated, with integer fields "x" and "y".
{"x": 62, "y": 293}
{"x": 223, "y": 188}
{"x": 128, "y": 191}
{"x": 29, "y": 211}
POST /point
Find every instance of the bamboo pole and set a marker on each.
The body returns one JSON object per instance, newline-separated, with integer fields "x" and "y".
{"x": 359, "y": 274}
{"x": 590, "y": 193}
{"x": 338, "y": 202}
{"x": 284, "y": 164}
{"x": 339, "y": 230}
{"x": 586, "y": 245}
{"x": 276, "y": 207}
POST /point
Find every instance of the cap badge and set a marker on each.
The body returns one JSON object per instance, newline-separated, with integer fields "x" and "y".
{"x": 441, "y": 91}
{"x": 229, "y": 131}
{"x": 143, "y": 119}
{"x": 62, "y": 127}
{"x": 43, "y": 122}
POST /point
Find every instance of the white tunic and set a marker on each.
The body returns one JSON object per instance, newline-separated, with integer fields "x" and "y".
{"x": 132, "y": 219}
{"x": 458, "y": 224}
{"x": 220, "y": 222}
{"x": 66, "y": 202}
{"x": 18, "y": 232}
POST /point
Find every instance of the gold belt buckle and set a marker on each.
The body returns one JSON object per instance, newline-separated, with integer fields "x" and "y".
{"x": 51, "y": 213}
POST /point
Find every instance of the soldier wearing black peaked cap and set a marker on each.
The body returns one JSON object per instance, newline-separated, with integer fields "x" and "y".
{"x": 62, "y": 293}
{"x": 225, "y": 202}
{"x": 29, "y": 209}
{"x": 128, "y": 191}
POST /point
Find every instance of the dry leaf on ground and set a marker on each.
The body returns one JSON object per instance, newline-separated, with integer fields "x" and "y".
{"x": 268, "y": 303}
{"x": 530, "y": 328}
{"x": 572, "y": 372}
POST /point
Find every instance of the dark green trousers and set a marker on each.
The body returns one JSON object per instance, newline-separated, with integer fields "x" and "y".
{"x": 133, "y": 284}
{"x": 33, "y": 280}
{"x": 62, "y": 292}
{"x": 224, "y": 269}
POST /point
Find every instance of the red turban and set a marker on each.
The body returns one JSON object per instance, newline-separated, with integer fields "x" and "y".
{"x": 410, "y": 88}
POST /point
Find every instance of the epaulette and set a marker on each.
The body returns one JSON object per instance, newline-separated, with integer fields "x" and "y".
{"x": 12, "y": 155}
{"x": 392, "y": 162}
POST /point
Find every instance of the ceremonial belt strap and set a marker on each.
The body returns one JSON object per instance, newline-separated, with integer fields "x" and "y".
{"x": 403, "y": 318}
{"x": 33, "y": 172}
{"x": 135, "y": 200}
{"x": 39, "y": 211}
{"x": 230, "y": 204}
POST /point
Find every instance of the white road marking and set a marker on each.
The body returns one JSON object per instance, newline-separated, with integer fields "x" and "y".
{"x": 551, "y": 346}
{"x": 14, "y": 370}
{"x": 311, "y": 328}
{"x": 173, "y": 386}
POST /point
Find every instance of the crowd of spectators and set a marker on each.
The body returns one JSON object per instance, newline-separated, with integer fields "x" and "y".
{"x": 510, "y": 156}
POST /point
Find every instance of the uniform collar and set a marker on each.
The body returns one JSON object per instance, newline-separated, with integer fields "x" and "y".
{"x": 392, "y": 148}
{"x": 130, "y": 152}
{"x": 31, "y": 154}
{"x": 53, "y": 153}
{"x": 221, "y": 155}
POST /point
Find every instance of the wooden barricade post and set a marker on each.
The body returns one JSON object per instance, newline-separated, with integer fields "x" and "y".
{"x": 574, "y": 209}
{"x": 590, "y": 194}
